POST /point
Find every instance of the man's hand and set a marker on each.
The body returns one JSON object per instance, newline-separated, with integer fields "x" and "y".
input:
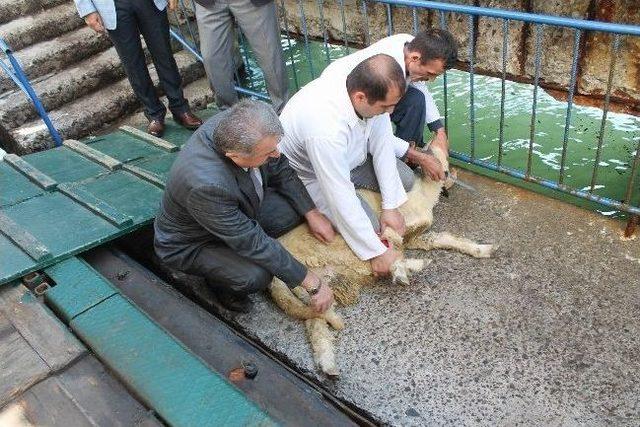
{"x": 94, "y": 21}
{"x": 322, "y": 300}
{"x": 320, "y": 226}
{"x": 432, "y": 166}
{"x": 381, "y": 265}
{"x": 394, "y": 219}
{"x": 173, "y": 4}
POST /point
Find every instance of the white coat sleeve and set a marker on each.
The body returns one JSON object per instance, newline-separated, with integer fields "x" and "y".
{"x": 384, "y": 148}
{"x": 329, "y": 161}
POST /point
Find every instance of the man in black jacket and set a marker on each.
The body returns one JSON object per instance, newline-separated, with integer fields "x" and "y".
{"x": 229, "y": 193}
{"x": 258, "y": 21}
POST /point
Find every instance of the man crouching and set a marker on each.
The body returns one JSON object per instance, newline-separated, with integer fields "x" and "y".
{"x": 229, "y": 194}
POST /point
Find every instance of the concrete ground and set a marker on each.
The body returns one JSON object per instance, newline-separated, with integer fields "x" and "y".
{"x": 545, "y": 333}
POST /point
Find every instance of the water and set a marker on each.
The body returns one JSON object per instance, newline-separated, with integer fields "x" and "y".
{"x": 620, "y": 140}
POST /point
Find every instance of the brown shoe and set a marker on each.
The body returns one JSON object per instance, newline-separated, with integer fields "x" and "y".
{"x": 188, "y": 120}
{"x": 156, "y": 127}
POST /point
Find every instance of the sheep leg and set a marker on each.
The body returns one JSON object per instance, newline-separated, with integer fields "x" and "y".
{"x": 446, "y": 240}
{"x": 401, "y": 269}
{"x": 294, "y": 307}
{"x": 321, "y": 341}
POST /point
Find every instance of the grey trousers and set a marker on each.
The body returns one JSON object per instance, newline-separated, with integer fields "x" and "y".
{"x": 226, "y": 271}
{"x": 364, "y": 176}
{"x": 260, "y": 26}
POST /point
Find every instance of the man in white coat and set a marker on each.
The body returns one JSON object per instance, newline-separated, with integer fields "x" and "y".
{"x": 338, "y": 137}
{"x": 422, "y": 59}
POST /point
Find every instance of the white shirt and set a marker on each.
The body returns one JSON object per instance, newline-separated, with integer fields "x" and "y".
{"x": 324, "y": 140}
{"x": 393, "y": 46}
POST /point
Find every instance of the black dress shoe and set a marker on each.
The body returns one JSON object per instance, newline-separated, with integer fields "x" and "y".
{"x": 235, "y": 302}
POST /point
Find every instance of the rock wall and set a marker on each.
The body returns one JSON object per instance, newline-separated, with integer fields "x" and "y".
{"x": 557, "y": 43}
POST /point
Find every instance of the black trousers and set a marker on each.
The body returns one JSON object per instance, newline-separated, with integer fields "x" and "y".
{"x": 224, "y": 270}
{"x": 135, "y": 17}
{"x": 409, "y": 117}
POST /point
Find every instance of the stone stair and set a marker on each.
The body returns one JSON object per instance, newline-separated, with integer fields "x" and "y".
{"x": 75, "y": 72}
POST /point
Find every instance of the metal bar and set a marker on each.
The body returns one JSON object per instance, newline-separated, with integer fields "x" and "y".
{"x": 389, "y": 20}
{"x": 546, "y": 183}
{"x": 605, "y": 110}
{"x": 26, "y": 87}
{"x": 536, "y": 79}
{"x": 239, "y": 89}
{"x": 559, "y": 21}
{"x": 572, "y": 87}
{"x": 305, "y": 32}
{"x": 472, "y": 112}
{"x": 365, "y": 16}
{"x": 443, "y": 26}
{"x": 289, "y": 46}
{"x": 344, "y": 26}
{"x": 325, "y": 38}
{"x": 414, "y": 14}
{"x": 505, "y": 45}
{"x": 634, "y": 168}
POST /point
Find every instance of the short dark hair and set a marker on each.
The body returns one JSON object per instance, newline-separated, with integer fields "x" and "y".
{"x": 374, "y": 76}
{"x": 433, "y": 44}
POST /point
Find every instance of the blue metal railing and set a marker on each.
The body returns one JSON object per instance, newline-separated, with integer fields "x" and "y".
{"x": 16, "y": 73}
{"x": 539, "y": 22}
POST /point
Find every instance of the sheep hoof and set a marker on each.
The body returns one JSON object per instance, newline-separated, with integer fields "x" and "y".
{"x": 485, "y": 251}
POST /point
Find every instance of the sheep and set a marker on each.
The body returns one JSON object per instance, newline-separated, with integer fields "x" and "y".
{"x": 347, "y": 274}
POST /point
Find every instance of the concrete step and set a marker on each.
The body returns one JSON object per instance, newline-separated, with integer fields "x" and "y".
{"x": 57, "y": 54}
{"x": 57, "y": 89}
{"x": 27, "y": 30}
{"x": 92, "y": 112}
{"x": 12, "y": 9}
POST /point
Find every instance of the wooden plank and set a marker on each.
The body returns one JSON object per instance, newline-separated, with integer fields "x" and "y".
{"x": 48, "y": 337}
{"x": 15, "y": 187}
{"x": 31, "y": 172}
{"x": 20, "y": 366}
{"x": 102, "y": 397}
{"x": 65, "y": 165}
{"x": 146, "y": 175}
{"x": 48, "y": 404}
{"x": 95, "y": 205}
{"x": 23, "y": 239}
{"x": 154, "y": 140}
{"x": 91, "y": 154}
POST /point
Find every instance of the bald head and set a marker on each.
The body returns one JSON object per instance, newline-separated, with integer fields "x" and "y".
{"x": 375, "y": 76}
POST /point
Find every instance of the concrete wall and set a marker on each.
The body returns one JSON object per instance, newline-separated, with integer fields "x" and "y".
{"x": 557, "y": 43}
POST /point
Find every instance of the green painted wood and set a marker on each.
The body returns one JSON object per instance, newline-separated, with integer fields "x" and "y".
{"x": 31, "y": 172}
{"x": 128, "y": 194}
{"x": 23, "y": 239}
{"x": 166, "y": 376}
{"x": 94, "y": 155}
{"x": 148, "y": 138}
{"x": 96, "y": 205}
{"x": 14, "y": 186}
{"x": 64, "y": 165}
{"x": 159, "y": 165}
{"x": 79, "y": 287}
{"x": 60, "y": 224}
{"x": 13, "y": 261}
{"x": 141, "y": 173}
{"x": 123, "y": 147}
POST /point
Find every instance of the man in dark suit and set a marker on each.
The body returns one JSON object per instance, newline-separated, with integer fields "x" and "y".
{"x": 228, "y": 195}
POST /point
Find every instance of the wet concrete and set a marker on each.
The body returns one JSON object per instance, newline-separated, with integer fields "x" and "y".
{"x": 545, "y": 333}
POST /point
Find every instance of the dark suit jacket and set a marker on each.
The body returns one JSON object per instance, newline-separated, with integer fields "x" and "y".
{"x": 208, "y": 199}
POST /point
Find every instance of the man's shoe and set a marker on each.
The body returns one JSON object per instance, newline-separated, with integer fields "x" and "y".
{"x": 235, "y": 302}
{"x": 156, "y": 127}
{"x": 188, "y": 120}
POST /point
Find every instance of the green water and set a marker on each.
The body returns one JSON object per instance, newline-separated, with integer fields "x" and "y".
{"x": 620, "y": 140}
